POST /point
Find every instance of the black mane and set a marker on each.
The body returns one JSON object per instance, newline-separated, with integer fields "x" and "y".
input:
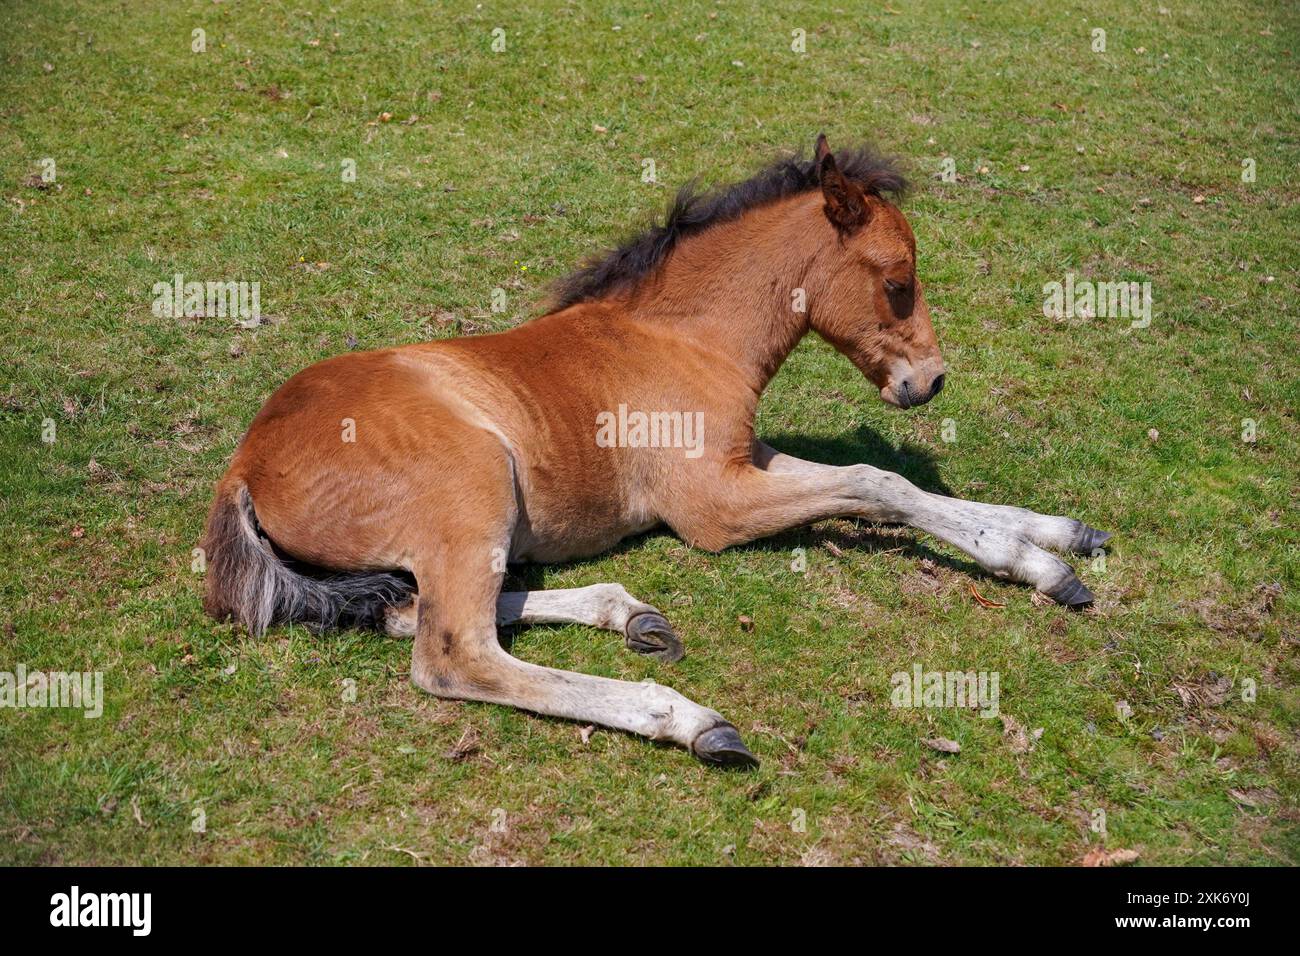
{"x": 693, "y": 211}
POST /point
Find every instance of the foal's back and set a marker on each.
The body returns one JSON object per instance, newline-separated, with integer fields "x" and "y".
{"x": 384, "y": 442}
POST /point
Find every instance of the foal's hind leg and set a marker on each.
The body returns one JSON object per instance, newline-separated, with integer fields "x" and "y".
{"x": 607, "y": 606}
{"x": 456, "y": 653}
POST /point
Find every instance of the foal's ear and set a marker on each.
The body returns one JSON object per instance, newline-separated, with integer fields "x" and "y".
{"x": 823, "y": 150}
{"x": 846, "y": 204}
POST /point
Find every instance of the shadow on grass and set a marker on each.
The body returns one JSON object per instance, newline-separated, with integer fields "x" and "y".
{"x": 865, "y": 446}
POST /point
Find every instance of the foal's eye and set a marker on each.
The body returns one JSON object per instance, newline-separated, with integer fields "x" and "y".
{"x": 900, "y": 297}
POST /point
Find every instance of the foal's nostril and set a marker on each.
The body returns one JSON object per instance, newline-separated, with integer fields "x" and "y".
{"x": 936, "y": 387}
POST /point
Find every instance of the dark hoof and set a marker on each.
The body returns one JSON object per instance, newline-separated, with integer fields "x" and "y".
{"x": 1088, "y": 540}
{"x": 722, "y": 746}
{"x": 1071, "y": 593}
{"x": 650, "y": 633}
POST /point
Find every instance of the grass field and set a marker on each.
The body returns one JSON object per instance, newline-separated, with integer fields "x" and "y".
{"x": 477, "y": 170}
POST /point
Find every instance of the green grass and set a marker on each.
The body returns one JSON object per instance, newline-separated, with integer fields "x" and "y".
{"x": 490, "y": 173}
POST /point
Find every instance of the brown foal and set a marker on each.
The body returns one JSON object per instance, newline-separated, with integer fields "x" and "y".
{"x": 391, "y": 488}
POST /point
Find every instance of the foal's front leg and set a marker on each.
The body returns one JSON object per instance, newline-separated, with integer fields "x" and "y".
{"x": 1054, "y": 532}
{"x": 780, "y": 492}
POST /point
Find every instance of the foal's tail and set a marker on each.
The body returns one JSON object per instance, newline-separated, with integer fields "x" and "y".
{"x": 248, "y": 581}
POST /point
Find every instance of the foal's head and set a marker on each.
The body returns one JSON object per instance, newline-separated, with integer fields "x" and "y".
{"x": 870, "y": 305}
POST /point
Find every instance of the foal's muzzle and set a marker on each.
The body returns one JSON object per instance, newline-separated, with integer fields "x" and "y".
{"x": 909, "y": 395}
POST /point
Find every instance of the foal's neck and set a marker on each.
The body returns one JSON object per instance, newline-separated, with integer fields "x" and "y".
{"x": 736, "y": 286}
